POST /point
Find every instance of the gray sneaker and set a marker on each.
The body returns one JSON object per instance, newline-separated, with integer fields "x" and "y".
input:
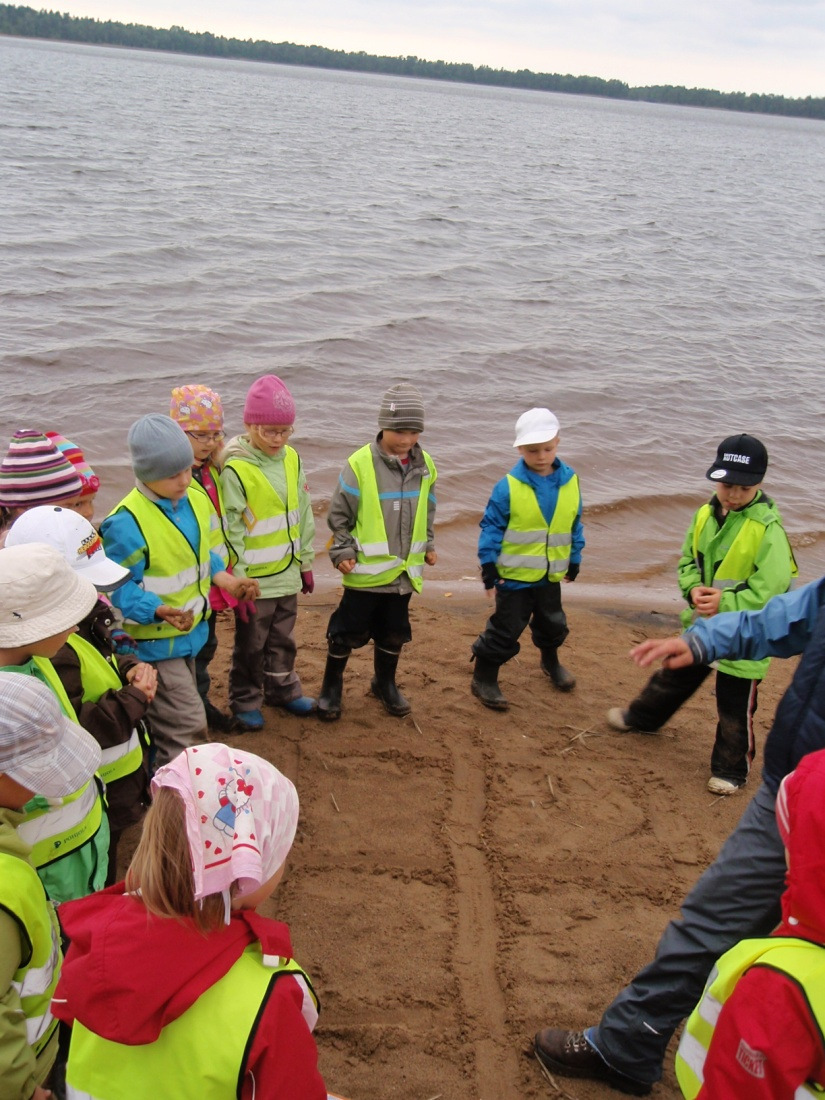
{"x": 617, "y": 718}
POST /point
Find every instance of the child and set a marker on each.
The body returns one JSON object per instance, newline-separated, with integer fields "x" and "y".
{"x": 735, "y": 556}
{"x": 173, "y": 976}
{"x": 531, "y": 539}
{"x": 381, "y": 517}
{"x": 757, "y": 1033}
{"x": 270, "y": 527}
{"x": 161, "y": 532}
{"x": 41, "y": 600}
{"x": 35, "y": 472}
{"x": 40, "y": 751}
{"x": 199, "y": 411}
{"x": 110, "y": 695}
{"x": 89, "y": 479}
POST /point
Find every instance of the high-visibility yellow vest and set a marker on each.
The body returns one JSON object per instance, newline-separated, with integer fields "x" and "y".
{"x": 801, "y": 960}
{"x": 532, "y": 549}
{"x": 200, "y": 1055}
{"x": 54, "y": 827}
{"x": 375, "y": 565}
{"x": 218, "y": 535}
{"x": 97, "y": 676}
{"x": 734, "y": 568}
{"x": 178, "y": 573}
{"x": 23, "y": 897}
{"x": 272, "y": 540}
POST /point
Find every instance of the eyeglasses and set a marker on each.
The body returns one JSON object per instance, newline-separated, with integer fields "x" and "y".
{"x": 268, "y": 432}
{"x": 206, "y": 437}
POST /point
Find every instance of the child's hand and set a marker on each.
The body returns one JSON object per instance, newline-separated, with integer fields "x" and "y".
{"x": 307, "y": 583}
{"x": 247, "y": 588}
{"x": 346, "y": 566}
{"x": 145, "y": 678}
{"x": 673, "y": 653}
{"x": 705, "y": 600}
{"x": 180, "y": 620}
{"x": 431, "y": 557}
{"x": 245, "y": 610}
{"x": 573, "y": 570}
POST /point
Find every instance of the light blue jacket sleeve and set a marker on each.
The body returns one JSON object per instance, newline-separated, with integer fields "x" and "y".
{"x": 782, "y": 628}
{"x": 494, "y": 523}
{"x": 123, "y": 543}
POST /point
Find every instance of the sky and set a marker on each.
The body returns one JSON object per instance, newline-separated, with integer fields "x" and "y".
{"x": 773, "y": 46}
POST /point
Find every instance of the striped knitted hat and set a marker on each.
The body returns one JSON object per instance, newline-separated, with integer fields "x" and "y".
{"x": 91, "y": 482}
{"x": 35, "y": 472}
{"x": 402, "y": 409}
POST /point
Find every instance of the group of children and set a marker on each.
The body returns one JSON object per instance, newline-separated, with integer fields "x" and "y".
{"x": 114, "y": 633}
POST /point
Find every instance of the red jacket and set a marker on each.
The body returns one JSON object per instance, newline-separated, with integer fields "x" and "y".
{"x": 127, "y": 974}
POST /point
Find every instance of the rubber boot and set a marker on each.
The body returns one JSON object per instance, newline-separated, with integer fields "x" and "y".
{"x": 329, "y": 701}
{"x": 484, "y": 685}
{"x": 559, "y": 676}
{"x": 383, "y": 683}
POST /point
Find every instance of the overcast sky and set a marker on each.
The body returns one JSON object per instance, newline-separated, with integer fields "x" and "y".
{"x": 733, "y": 45}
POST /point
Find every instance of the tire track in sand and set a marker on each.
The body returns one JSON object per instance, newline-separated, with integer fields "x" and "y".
{"x": 476, "y": 944}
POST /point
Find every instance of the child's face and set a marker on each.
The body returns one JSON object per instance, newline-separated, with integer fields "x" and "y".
{"x": 204, "y": 445}
{"x": 539, "y": 457}
{"x": 734, "y": 498}
{"x": 172, "y": 488}
{"x": 84, "y": 506}
{"x": 269, "y": 438}
{"x": 398, "y": 444}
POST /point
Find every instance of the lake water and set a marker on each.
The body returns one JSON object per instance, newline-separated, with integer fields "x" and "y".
{"x": 654, "y": 274}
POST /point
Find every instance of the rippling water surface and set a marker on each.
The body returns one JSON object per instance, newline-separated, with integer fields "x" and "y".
{"x": 655, "y": 275}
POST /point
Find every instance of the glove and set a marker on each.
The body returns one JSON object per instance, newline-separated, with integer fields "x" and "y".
{"x": 489, "y": 574}
{"x": 572, "y": 571}
{"x": 307, "y": 583}
{"x": 245, "y": 610}
{"x": 123, "y": 643}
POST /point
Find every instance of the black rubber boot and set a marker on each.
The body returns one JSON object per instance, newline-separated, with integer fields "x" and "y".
{"x": 383, "y": 683}
{"x": 558, "y": 674}
{"x": 329, "y": 701}
{"x": 484, "y": 685}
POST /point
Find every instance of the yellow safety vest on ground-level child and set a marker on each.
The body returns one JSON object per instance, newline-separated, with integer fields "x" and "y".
{"x": 801, "y": 960}
{"x": 185, "y": 588}
{"x": 375, "y": 565}
{"x": 198, "y": 1056}
{"x": 272, "y": 540}
{"x": 97, "y": 676}
{"x": 533, "y": 550}
{"x": 22, "y": 896}
{"x": 55, "y": 827}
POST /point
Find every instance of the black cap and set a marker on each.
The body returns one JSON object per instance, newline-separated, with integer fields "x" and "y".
{"x": 741, "y": 460}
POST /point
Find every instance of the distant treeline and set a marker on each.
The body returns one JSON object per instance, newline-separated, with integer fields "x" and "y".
{"x": 29, "y": 23}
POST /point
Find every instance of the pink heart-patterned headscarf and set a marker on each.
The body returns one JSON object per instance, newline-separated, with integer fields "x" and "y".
{"x": 241, "y": 816}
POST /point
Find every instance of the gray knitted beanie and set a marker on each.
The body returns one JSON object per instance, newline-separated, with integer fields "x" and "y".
{"x": 159, "y": 447}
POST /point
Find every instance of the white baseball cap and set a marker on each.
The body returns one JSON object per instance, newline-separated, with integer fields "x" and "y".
{"x": 39, "y": 747}
{"x": 72, "y": 536}
{"x": 536, "y": 426}
{"x": 40, "y": 595}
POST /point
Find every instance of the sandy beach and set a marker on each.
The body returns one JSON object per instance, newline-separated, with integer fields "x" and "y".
{"x": 461, "y": 878}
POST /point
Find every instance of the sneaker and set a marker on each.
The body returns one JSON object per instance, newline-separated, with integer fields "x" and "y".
{"x": 717, "y": 785}
{"x": 618, "y": 719}
{"x": 571, "y": 1055}
{"x": 247, "y": 721}
{"x": 301, "y": 706}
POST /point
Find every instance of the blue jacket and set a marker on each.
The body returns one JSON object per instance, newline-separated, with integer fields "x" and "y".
{"x": 122, "y": 540}
{"x": 497, "y": 514}
{"x": 788, "y": 624}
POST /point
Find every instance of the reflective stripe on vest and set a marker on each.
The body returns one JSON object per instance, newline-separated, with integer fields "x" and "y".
{"x": 167, "y": 547}
{"x": 223, "y": 1020}
{"x": 272, "y": 540}
{"x": 23, "y": 897}
{"x": 374, "y": 564}
{"x": 802, "y": 961}
{"x": 54, "y": 827}
{"x": 97, "y": 677}
{"x": 532, "y": 549}
{"x": 737, "y": 564}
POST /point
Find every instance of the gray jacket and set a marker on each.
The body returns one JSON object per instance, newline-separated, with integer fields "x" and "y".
{"x": 398, "y": 510}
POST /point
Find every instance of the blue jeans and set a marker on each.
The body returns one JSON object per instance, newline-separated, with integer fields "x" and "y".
{"x": 737, "y": 897}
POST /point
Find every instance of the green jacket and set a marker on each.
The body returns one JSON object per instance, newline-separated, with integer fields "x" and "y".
{"x": 763, "y": 564}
